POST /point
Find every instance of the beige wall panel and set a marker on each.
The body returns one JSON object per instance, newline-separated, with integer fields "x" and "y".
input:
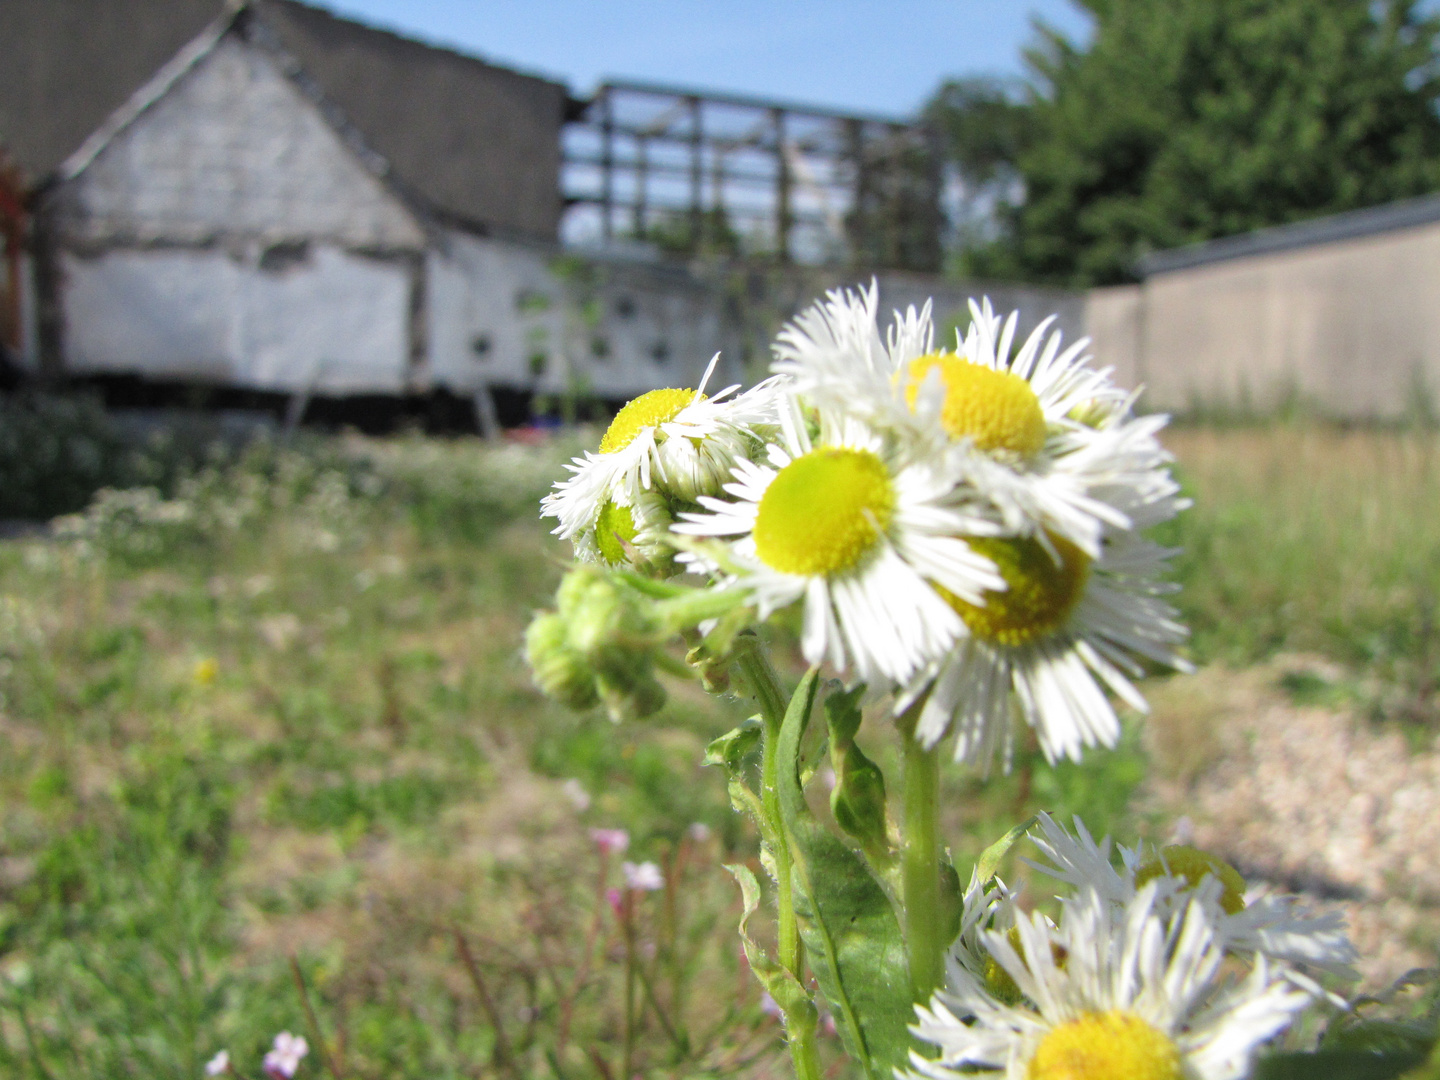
{"x": 1112, "y": 319}
{"x": 1350, "y": 327}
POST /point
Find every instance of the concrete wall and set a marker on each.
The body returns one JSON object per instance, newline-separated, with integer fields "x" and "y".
{"x": 1350, "y": 328}
{"x": 1112, "y": 318}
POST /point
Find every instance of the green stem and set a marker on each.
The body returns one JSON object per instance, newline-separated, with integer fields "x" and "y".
{"x": 803, "y": 1054}
{"x": 682, "y": 612}
{"x": 920, "y": 862}
{"x": 765, "y": 684}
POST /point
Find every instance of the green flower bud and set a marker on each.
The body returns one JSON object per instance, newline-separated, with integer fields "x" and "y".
{"x": 603, "y": 615}
{"x": 560, "y": 670}
{"x": 630, "y": 695}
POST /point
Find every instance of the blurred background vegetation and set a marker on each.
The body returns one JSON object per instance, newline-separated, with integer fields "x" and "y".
{"x": 271, "y": 705}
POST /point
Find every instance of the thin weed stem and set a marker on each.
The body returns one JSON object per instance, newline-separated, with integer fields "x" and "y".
{"x": 311, "y": 1021}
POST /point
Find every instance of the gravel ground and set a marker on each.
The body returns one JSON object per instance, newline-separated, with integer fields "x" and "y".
{"x": 1311, "y": 800}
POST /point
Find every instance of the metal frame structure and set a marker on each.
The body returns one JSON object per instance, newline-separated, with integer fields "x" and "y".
{"x": 737, "y": 175}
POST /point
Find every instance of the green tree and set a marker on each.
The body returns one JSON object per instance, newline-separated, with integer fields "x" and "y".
{"x": 983, "y": 127}
{"x": 1184, "y": 120}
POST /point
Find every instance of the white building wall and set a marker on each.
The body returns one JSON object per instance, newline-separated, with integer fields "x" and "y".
{"x": 331, "y": 321}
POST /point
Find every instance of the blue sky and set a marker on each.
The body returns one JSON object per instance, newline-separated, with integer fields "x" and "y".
{"x": 853, "y": 54}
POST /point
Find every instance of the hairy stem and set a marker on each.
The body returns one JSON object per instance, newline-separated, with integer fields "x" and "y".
{"x": 920, "y": 861}
{"x": 766, "y": 685}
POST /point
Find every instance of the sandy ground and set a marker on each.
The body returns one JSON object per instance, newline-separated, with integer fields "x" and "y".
{"x": 1312, "y": 800}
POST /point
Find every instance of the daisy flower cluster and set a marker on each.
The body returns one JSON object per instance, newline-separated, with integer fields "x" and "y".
{"x": 1160, "y": 969}
{"x": 961, "y": 527}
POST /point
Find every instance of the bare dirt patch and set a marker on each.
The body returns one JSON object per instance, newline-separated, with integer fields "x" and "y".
{"x": 1308, "y": 799}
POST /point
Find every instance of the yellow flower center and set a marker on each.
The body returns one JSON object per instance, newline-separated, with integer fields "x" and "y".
{"x": 1193, "y": 864}
{"x": 824, "y": 511}
{"x": 615, "y": 523}
{"x": 1043, "y": 589}
{"x": 647, "y": 410}
{"x": 995, "y": 408}
{"x": 1106, "y": 1046}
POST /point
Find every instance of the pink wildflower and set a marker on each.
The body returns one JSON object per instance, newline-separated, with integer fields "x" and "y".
{"x": 645, "y": 877}
{"x": 282, "y": 1062}
{"x": 610, "y": 841}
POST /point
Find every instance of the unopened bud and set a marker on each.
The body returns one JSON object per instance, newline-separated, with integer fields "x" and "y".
{"x": 560, "y": 671}
{"x": 602, "y": 615}
{"x": 631, "y": 695}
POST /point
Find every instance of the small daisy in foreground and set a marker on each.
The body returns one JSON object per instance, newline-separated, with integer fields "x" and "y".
{"x": 1052, "y": 441}
{"x": 665, "y": 446}
{"x": 1270, "y": 925}
{"x": 1108, "y": 993}
{"x": 856, "y": 531}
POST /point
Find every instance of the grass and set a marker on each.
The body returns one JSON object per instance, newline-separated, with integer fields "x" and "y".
{"x": 1316, "y": 540}
{"x": 279, "y": 711}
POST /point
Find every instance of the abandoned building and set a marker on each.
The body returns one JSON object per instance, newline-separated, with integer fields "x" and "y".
{"x": 265, "y": 197}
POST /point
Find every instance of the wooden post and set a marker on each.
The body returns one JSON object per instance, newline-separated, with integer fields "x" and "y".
{"x": 642, "y": 165}
{"x": 860, "y": 223}
{"x": 607, "y": 162}
{"x": 717, "y": 192}
{"x": 782, "y": 187}
{"x": 697, "y": 135}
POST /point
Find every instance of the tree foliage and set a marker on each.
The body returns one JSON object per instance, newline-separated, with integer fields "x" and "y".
{"x": 1184, "y": 120}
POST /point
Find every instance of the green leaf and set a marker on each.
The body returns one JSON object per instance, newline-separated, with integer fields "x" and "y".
{"x": 989, "y": 860}
{"x": 731, "y": 749}
{"x": 858, "y": 799}
{"x": 792, "y": 998}
{"x": 852, "y": 937}
{"x": 1336, "y": 1065}
{"x": 1383, "y": 1036}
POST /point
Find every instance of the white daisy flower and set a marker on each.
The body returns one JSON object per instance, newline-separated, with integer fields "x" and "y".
{"x": 1110, "y": 992}
{"x": 857, "y": 530}
{"x": 667, "y": 446}
{"x": 985, "y": 906}
{"x": 1053, "y": 441}
{"x": 1064, "y": 630}
{"x": 1275, "y": 926}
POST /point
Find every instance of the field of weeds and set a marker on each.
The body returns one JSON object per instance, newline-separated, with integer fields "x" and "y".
{"x": 270, "y": 760}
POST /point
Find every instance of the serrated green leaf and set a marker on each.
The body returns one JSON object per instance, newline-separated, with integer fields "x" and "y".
{"x": 778, "y": 983}
{"x": 1335, "y": 1065}
{"x": 852, "y": 937}
{"x": 989, "y": 860}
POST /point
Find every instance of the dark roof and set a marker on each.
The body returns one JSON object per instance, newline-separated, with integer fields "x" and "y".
{"x": 477, "y": 143}
{"x": 1347, "y": 226}
{"x": 66, "y": 65}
